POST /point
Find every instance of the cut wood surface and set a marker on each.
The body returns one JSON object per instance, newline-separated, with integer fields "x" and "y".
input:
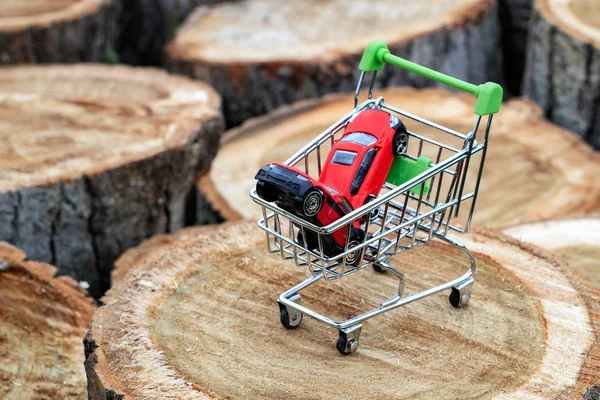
{"x": 533, "y": 169}
{"x": 43, "y": 319}
{"x": 97, "y": 159}
{"x": 151, "y": 247}
{"x": 201, "y": 319}
{"x": 57, "y": 31}
{"x": 260, "y": 54}
{"x": 146, "y": 25}
{"x": 576, "y": 240}
{"x": 563, "y": 64}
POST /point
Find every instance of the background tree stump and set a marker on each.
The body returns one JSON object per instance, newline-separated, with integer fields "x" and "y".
{"x": 260, "y": 54}
{"x": 182, "y": 326}
{"x": 42, "y": 321}
{"x": 97, "y": 159}
{"x": 514, "y": 23}
{"x": 146, "y": 25}
{"x": 57, "y": 31}
{"x": 576, "y": 240}
{"x": 563, "y": 64}
{"x": 533, "y": 169}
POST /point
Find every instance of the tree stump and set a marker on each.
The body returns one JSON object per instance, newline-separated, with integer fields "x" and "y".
{"x": 147, "y": 25}
{"x": 42, "y": 321}
{"x": 514, "y": 22}
{"x": 576, "y": 240}
{"x": 199, "y": 320}
{"x": 260, "y": 54}
{"x": 97, "y": 159}
{"x": 563, "y": 64}
{"x": 62, "y": 31}
{"x": 533, "y": 169}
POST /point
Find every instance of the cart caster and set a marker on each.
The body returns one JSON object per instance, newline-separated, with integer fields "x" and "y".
{"x": 378, "y": 268}
{"x": 291, "y": 319}
{"x": 347, "y": 343}
{"x": 461, "y": 294}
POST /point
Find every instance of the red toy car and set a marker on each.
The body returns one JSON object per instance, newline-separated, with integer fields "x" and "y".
{"x": 353, "y": 174}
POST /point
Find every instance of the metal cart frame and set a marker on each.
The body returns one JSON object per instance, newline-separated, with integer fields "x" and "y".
{"x": 404, "y": 215}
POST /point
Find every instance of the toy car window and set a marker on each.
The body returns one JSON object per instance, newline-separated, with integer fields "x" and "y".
{"x": 343, "y": 157}
{"x": 361, "y": 174}
{"x": 332, "y": 190}
{"x": 359, "y": 137}
{"x": 345, "y": 205}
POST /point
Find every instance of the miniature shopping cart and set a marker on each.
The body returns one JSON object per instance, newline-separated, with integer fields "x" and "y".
{"x": 426, "y": 196}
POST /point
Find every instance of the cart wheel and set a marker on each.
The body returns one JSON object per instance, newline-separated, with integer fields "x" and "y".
{"x": 265, "y": 191}
{"x": 377, "y": 268}
{"x": 289, "y": 320}
{"x": 346, "y": 346}
{"x": 400, "y": 143}
{"x": 458, "y": 299}
{"x": 312, "y": 203}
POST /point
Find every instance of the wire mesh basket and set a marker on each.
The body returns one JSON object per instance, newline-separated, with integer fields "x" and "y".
{"x": 426, "y": 196}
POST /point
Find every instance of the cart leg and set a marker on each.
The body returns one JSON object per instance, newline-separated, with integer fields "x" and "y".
{"x": 348, "y": 341}
{"x": 289, "y": 317}
{"x": 461, "y": 293}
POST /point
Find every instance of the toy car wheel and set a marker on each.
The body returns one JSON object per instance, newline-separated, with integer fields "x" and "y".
{"x": 400, "y": 143}
{"x": 312, "y": 203}
{"x": 346, "y": 346}
{"x": 290, "y": 319}
{"x": 374, "y": 213}
{"x": 353, "y": 258}
{"x": 265, "y": 191}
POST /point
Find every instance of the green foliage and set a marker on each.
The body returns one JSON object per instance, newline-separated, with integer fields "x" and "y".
{"x": 110, "y": 57}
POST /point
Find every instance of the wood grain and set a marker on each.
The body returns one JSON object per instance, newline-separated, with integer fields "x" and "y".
{"x": 200, "y": 320}
{"x": 42, "y": 321}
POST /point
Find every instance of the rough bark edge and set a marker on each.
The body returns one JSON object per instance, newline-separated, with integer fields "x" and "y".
{"x": 514, "y": 21}
{"x": 147, "y": 25}
{"x": 562, "y": 74}
{"x": 590, "y": 370}
{"x": 89, "y": 37}
{"x": 78, "y": 225}
{"x": 106, "y": 384}
{"x": 256, "y": 88}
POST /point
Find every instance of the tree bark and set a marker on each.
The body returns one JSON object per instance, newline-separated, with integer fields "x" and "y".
{"x": 147, "y": 25}
{"x": 200, "y": 318}
{"x": 42, "y": 321}
{"x": 514, "y": 22}
{"x": 533, "y": 169}
{"x": 261, "y": 54}
{"x": 576, "y": 240}
{"x": 57, "y": 31}
{"x": 98, "y": 159}
{"x": 563, "y": 64}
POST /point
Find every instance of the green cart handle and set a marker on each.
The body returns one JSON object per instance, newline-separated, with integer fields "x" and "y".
{"x": 489, "y": 95}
